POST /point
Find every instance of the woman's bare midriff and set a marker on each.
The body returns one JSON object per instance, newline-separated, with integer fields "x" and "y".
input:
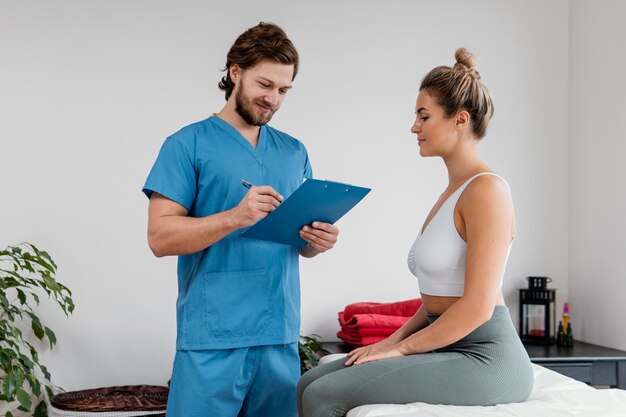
{"x": 435, "y": 304}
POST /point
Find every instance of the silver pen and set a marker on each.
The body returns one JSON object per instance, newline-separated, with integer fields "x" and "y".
{"x": 248, "y": 185}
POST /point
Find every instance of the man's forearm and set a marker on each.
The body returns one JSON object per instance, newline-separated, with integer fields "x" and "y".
{"x": 182, "y": 235}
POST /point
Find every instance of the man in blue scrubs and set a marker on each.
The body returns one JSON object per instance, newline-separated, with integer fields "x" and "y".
{"x": 238, "y": 308}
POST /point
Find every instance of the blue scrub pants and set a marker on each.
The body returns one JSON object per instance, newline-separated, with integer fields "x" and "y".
{"x": 244, "y": 382}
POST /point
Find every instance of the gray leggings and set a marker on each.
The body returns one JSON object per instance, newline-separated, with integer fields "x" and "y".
{"x": 489, "y": 366}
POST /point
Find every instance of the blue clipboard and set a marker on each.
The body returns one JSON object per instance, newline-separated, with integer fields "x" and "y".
{"x": 314, "y": 200}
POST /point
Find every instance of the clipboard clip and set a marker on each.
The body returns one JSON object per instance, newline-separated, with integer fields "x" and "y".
{"x": 326, "y": 186}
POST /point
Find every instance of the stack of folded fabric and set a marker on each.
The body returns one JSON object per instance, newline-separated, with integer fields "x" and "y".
{"x": 365, "y": 323}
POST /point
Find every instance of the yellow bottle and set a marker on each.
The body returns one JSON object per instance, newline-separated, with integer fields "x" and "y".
{"x": 565, "y": 316}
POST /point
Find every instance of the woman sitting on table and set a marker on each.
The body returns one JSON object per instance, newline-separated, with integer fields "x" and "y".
{"x": 461, "y": 347}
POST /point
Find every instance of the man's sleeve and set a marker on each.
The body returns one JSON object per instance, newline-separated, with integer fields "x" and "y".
{"x": 308, "y": 170}
{"x": 173, "y": 174}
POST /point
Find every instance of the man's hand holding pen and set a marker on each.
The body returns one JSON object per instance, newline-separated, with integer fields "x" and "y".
{"x": 256, "y": 204}
{"x": 260, "y": 201}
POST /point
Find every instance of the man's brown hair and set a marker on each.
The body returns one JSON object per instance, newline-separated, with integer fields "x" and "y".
{"x": 263, "y": 41}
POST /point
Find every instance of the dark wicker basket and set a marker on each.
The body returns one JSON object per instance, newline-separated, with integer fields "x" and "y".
{"x": 123, "y": 398}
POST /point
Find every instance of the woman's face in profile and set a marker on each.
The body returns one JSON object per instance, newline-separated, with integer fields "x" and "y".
{"x": 432, "y": 127}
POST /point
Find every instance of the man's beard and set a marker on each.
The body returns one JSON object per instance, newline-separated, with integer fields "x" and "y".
{"x": 244, "y": 107}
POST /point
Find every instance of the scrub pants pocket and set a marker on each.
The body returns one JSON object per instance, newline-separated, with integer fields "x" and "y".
{"x": 237, "y": 303}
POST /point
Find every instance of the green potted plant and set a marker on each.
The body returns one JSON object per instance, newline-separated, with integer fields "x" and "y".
{"x": 311, "y": 350}
{"x": 26, "y": 273}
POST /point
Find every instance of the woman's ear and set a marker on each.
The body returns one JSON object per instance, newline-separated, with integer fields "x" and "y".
{"x": 462, "y": 119}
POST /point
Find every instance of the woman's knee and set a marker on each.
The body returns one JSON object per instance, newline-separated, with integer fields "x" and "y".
{"x": 321, "y": 399}
{"x": 317, "y": 372}
{"x": 307, "y": 378}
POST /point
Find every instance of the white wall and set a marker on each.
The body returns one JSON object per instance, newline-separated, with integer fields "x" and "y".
{"x": 597, "y": 171}
{"x": 89, "y": 90}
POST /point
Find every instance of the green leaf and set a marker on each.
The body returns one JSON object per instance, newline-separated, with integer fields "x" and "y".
{"x": 24, "y": 398}
{"x": 45, "y": 373}
{"x": 36, "y": 297}
{"x": 5, "y": 359}
{"x": 12, "y": 381}
{"x": 35, "y": 386}
{"x": 8, "y": 414}
{"x": 4, "y": 302}
{"x": 51, "y": 336}
{"x": 51, "y": 284}
{"x": 27, "y": 364}
{"x": 37, "y": 327}
{"x": 70, "y": 304}
{"x": 311, "y": 358}
{"x": 13, "y": 346}
{"x": 21, "y": 296}
{"x": 41, "y": 410}
{"x": 17, "y": 333}
{"x": 310, "y": 350}
{"x": 14, "y": 280}
{"x": 33, "y": 353}
{"x": 26, "y": 265}
{"x": 44, "y": 264}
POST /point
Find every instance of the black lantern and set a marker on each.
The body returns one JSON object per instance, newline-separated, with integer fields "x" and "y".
{"x": 537, "y": 312}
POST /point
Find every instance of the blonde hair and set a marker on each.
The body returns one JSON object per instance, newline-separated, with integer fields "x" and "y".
{"x": 459, "y": 88}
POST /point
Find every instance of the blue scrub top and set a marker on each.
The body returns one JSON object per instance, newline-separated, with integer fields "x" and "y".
{"x": 238, "y": 292}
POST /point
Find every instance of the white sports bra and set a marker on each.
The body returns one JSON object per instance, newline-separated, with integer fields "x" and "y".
{"x": 437, "y": 258}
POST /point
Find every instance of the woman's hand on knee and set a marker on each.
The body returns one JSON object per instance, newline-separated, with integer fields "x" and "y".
{"x": 375, "y": 352}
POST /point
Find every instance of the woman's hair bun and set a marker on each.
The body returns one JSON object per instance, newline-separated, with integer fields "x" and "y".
{"x": 465, "y": 58}
{"x": 465, "y": 62}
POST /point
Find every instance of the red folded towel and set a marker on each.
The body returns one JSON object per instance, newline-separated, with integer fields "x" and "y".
{"x": 359, "y": 341}
{"x": 380, "y": 321}
{"x": 400, "y": 308}
{"x": 368, "y": 331}
{"x": 366, "y": 323}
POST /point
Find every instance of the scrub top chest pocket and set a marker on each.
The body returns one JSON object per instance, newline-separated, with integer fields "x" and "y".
{"x": 237, "y": 303}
